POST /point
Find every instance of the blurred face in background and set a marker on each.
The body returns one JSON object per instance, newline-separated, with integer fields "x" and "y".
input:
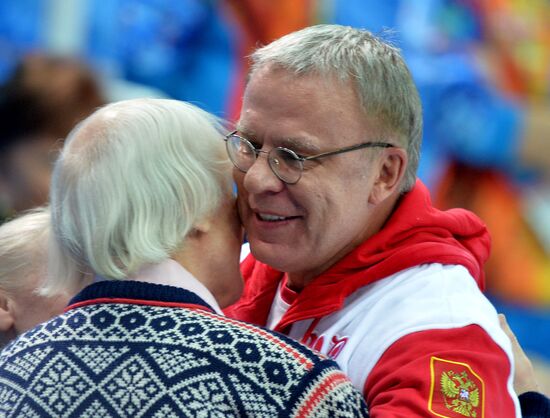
{"x": 21, "y": 308}
{"x": 26, "y": 172}
{"x": 43, "y": 100}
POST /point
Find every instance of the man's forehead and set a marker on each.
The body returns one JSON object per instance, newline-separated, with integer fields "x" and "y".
{"x": 307, "y": 112}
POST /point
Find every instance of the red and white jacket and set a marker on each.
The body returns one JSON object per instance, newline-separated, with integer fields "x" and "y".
{"x": 403, "y": 315}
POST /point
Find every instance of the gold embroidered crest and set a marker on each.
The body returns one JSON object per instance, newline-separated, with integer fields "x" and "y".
{"x": 456, "y": 390}
{"x": 460, "y": 393}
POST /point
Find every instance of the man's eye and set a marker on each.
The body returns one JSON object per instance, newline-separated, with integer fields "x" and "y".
{"x": 255, "y": 145}
{"x": 297, "y": 154}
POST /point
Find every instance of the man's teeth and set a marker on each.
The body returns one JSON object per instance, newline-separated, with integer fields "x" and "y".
{"x": 271, "y": 218}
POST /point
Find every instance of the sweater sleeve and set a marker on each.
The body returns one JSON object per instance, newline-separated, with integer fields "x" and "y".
{"x": 534, "y": 405}
{"x": 327, "y": 392}
{"x": 457, "y": 372}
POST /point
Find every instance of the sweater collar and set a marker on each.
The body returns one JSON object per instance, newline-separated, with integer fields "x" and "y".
{"x": 165, "y": 283}
{"x": 171, "y": 273}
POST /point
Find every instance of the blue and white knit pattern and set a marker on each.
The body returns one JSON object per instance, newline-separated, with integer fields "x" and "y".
{"x": 167, "y": 356}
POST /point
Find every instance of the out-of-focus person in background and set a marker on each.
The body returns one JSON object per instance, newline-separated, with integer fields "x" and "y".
{"x": 39, "y": 104}
{"x": 142, "y": 198}
{"x": 23, "y": 269}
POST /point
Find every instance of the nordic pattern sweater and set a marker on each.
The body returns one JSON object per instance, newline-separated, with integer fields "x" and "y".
{"x": 132, "y": 349}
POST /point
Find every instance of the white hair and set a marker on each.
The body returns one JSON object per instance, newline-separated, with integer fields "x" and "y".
{"x": 132, "y": 181}
{"x": 379, "y": 74}
{"x": 23, "y": 249}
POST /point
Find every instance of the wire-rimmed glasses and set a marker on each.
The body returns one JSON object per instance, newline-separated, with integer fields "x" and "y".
{"x": 285, "y": 163}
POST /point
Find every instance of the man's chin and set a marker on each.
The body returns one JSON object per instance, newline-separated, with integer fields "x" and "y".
{"x": 275, "y": 255}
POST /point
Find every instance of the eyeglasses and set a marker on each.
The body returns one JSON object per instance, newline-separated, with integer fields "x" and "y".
{"x": 285, "y": 163}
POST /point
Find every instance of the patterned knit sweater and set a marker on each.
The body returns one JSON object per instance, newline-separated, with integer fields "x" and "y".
{"x": 133, "y": 349}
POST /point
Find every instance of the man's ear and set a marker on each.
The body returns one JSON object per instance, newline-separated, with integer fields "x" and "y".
{"x": 6, "y": 318}
{"x": 391, "y": 171}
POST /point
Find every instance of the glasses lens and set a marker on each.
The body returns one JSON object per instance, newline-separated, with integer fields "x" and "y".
{"x": 285, "y": 164}
{"x": 241, "y": 152}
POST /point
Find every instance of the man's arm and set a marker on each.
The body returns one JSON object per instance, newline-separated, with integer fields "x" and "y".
{"x": 457, "y": 372}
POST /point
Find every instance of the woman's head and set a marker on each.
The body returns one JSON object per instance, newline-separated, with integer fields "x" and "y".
{"x": 132, "y": 183}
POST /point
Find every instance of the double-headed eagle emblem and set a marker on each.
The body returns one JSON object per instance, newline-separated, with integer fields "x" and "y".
{"x": 460, "y": 393}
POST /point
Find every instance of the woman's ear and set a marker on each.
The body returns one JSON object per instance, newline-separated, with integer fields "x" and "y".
{"x": 6, "y": 317}
{"x": 391, "y": 171}
{"x": 201, "y": 227}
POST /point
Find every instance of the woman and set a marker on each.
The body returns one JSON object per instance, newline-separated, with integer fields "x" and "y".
{"x": 142, "y": 204}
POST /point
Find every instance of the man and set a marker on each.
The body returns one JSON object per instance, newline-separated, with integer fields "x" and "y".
{"x": 348, "y": 255}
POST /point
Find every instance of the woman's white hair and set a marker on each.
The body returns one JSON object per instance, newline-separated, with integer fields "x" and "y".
{"x": 23, "y": 249}
{"x": 379, "y": 74}
{"x": 131, "y": 183}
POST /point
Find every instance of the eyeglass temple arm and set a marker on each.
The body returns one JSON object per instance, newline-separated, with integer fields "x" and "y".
{"x": 351, "y": 148}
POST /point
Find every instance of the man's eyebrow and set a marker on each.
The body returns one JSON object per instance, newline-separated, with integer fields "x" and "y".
{"x": 244, "y": 131}
{"x": 299, "y": 144}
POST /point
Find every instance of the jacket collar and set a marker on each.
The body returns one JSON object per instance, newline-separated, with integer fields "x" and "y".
{"x": 415, "y": 234}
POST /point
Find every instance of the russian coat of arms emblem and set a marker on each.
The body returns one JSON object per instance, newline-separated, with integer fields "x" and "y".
{"x": 456, "y": 390}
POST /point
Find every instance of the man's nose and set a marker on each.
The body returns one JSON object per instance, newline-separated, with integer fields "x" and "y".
{"x": 260, "y": 178}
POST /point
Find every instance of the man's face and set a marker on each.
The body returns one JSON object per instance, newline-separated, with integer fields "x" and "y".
{"x": 305, "y": 227}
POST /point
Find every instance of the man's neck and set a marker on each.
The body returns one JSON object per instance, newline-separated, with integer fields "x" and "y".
{"x": 297, "y": 281}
